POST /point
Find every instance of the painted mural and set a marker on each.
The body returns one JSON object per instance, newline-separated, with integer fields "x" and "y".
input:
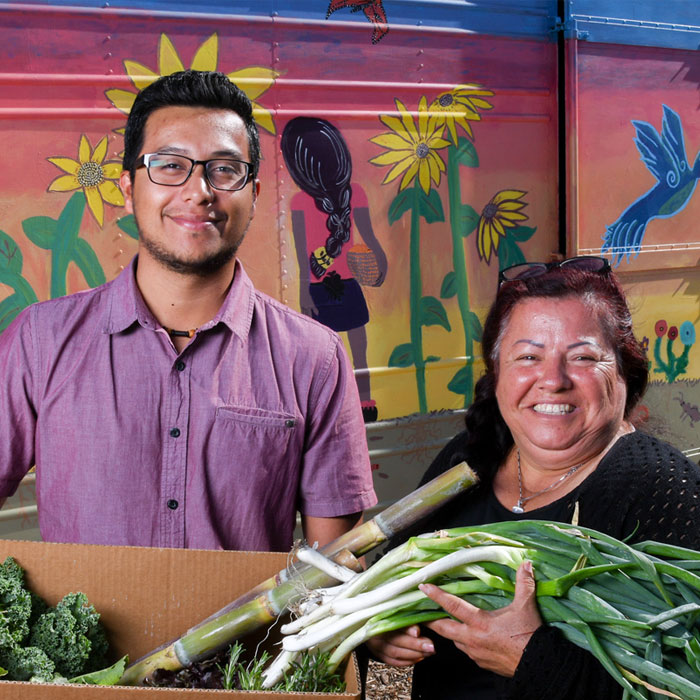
{"x": 441, "y": 168}
{"x": 638, "y": 126}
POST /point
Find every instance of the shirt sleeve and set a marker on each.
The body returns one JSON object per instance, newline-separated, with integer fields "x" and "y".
{"x": 17, "y": 409}
{"x": 336, "y": 474}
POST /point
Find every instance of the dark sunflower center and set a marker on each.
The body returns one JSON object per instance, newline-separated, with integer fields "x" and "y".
{"x": 90, "y": 174}
{"x": 446, "y": 100}
{"x": 422, "y": 150}
{"x": 490, "y": 210}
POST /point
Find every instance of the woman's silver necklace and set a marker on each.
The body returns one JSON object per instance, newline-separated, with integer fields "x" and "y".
{"x": 522, "y": 500}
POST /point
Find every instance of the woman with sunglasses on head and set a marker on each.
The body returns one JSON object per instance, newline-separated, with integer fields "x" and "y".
{"x": 551, "y": 434}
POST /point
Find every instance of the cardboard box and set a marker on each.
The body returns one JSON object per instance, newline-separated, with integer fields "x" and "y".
{"x": 147, "y": 597}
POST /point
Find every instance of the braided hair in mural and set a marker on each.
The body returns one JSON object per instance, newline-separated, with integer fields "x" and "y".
{"x": 325, "y": 213}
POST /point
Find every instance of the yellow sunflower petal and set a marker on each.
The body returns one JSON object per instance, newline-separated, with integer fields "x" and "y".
{"x": 424, "y": 175}
{"x": 423, "y": 119}
{"x": 433, "y": 156}
{"x": 263, "y": 117}
{"x": 510, "y": 216}
{"x": 168, "y": 60}
{"x": 495, "y": 240}
{"x": 111, "y": 193}
{"x": 507, "y": 194}
{"x": 254, "y": 81}
{"x": 393, "y": 141}
{"x": 481, "y": 104}
{"x": 123, "y": 100}
{"x": 434, "y": 169}
{"x": 497, "y": 225}
{"x": 409, "y": 176}
{"x": 112, "y": 170}
{"x": 141, "y": 76}
{"x": 64, "y": 183}
{"x": 452, "y": 130}
{"x": 436, "y": 142}
{"x": 511, "y": 205}
{"x": 84, "y": 149}
{"x": 95, "y": 203}
{"x": 66, "y": 164}
{"x": 485, "y": 240}
{"x": 399, "y": 168}
{"x": 207, "y": 55}
{"x": 390, "y": 157}
{"x": 100, "y": 151}
{"x": 407, "y": 120}
{"x": 465, "y": 125}
{"x": 395, "y": 125}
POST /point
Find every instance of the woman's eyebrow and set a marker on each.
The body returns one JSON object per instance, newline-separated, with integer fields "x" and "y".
{"x": 582, "y": 342}
{"x": 527, "y": 341}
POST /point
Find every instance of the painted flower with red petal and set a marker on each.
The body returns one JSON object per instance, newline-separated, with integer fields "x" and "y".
{"x": 660, "y": 328}
{"x": 672, "y": 333}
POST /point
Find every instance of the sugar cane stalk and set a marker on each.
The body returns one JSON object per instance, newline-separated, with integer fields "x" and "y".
{"x": 263, "y": 604}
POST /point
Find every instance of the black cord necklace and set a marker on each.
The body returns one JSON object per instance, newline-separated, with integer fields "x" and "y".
{"x": 172, "y": 332}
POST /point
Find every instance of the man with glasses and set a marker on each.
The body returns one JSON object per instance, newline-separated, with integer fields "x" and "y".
{"x": 176, "y": 406}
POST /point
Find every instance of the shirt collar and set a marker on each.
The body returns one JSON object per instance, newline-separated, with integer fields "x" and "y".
{"x": 127, "y": 306}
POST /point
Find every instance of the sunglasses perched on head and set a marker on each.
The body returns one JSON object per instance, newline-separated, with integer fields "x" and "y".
{"x": 521, "y": 271}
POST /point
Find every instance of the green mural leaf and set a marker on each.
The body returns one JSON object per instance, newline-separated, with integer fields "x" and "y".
{"x": 466, "y": 153}
{"x": 402, "y": 203}
{"x": 40, "y": 230}
{"x": 88, "y": 263}
{"x": 474, "y": 325}
{"x": 432, "y": 313}
{"x": 430, "y": 206}
{"x": 509, "y": 253}
{"x": 432, "y": 358}
{"x": 402, "y": 356}
{"x": 468, "y": 219}
{"x": 459, "y": 384}
{"x": 128, "y": 225}
{"x": 521, "y": 233}
{"x": 10, "y": 254}
{"x": 70, "y": 218}
{"x": 449, "y": 285}
{"x": 9, "y": 308}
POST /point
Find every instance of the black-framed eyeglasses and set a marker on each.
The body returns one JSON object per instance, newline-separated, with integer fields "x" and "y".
{"x": 585, "y": 263}
{"x": 173, "y": 170}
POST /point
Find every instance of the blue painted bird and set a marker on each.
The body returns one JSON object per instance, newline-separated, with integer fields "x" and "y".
{"x": 666, "y": 158}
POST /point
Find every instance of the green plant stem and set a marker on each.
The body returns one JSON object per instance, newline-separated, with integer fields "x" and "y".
{"x": 416, "y": 293}
{"x": 459, "y": 263}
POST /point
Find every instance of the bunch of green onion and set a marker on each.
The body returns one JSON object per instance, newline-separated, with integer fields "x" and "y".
{"x": 634, "y": 607}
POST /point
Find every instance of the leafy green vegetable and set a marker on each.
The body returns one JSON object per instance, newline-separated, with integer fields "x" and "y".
{"x": 42, "y": 644}
{"x": 105, "y": 676}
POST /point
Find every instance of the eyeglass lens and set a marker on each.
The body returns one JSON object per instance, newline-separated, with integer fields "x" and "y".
{"x": 174, "y": 170}
{"x": 525, "y": 270}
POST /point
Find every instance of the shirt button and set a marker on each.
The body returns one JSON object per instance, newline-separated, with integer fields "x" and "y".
{"x": 290, "y": 423}
{"x": 175, "y": 432}
{"x": 180, "y": 366}
{"x": 173, "y": 504}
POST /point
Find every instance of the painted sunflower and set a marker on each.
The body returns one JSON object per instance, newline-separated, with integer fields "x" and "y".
{"x": 501, "y": 213}
{"x": 412, "y": 150}
{"x": 459, "y": 106}
{"x": 253, "y": 81}
{"x": 90, "y": 172}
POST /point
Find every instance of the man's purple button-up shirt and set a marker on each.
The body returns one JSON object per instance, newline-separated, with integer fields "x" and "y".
{"x": 215, "y": 447}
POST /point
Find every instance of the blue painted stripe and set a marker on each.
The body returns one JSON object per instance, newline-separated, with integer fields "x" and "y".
{"x": 673, "y": 24}
{"x": 533, "y": 19}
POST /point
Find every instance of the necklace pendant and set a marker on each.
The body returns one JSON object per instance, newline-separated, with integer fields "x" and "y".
{"x": 517, "y": 508}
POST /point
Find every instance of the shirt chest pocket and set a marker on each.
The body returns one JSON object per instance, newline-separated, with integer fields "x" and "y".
{"x": 258, "y": 440}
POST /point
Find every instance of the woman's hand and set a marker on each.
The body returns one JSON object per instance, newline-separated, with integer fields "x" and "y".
{"x": 494, "y": 640}
{"x": 403, "y": 648}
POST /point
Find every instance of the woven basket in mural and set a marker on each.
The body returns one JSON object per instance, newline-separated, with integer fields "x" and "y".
{"x": 363, "y": 265}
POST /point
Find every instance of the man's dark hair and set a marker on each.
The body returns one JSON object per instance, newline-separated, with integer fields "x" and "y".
{"x": 489, "y": 438}
{"x": 189, "y": 88}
